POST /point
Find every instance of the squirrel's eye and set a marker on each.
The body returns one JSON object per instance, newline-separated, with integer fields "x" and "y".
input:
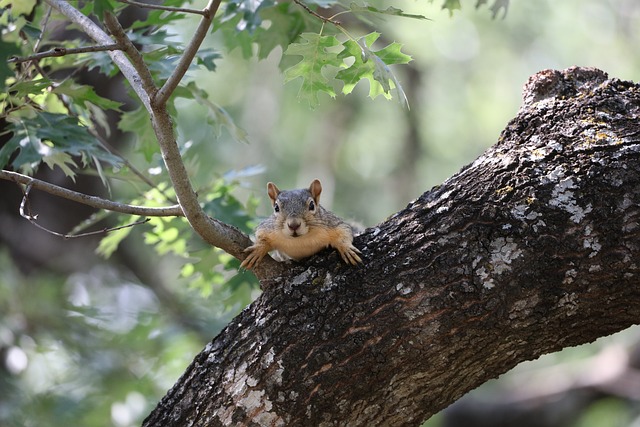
{"x": 276, "y": 207}
{"x": 312, "y": 206}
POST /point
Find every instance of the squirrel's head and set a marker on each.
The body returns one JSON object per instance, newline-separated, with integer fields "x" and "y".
{"x": 294, "y": 208}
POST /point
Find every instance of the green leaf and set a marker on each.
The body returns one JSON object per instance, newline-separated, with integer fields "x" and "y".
{"x": 450, "y": 5}
{"x": 30, "y": 87}
{"x": 287, "y": 23}
{"x": 82, "y": 94}
{"x": 22, "y": 7}
{"x": 249, "y": 11}
{"x": 354, "y": 7}
{"x": 158, "y": 19}
{"x": 109, "y": 244}
{"x": 217, "y": 116}
{"x": 206, "y": 58}
{"x": 317, "y": 53}
{"x": 47, "y": 134}
{"x": 162, "y": 62}
{"x": 63, "y": 161}
{"x": 28, "y": 147}
{"x": 139, "y": 123}
{"x": 7, "y": 50}
{"x": 372, "y": 65}
{"x": 102, "y": 6}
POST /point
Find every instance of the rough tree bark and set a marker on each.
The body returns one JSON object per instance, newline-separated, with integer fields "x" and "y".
{"x": 532, "y": 248}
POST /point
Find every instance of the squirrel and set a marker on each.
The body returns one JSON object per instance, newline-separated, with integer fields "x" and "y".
{"x": 299, "y": 227}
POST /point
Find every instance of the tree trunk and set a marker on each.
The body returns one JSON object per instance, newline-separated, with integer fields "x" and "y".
{"x": 532, "y": 248}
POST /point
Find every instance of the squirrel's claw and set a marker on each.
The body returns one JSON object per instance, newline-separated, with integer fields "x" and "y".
{"x": 350, "y": 255}
{"x": 255, "y": 256}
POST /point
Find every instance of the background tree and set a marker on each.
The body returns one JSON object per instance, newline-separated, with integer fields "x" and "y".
{"x": 167, "y": 235}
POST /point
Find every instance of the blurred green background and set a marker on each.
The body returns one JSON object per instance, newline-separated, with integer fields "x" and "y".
{"x": 91, "y": 342}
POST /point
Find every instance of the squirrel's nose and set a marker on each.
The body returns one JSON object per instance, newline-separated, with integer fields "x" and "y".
{"x": 293, "y": 225}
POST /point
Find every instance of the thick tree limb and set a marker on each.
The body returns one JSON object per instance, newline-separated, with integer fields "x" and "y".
{"x": 532, "y": 248}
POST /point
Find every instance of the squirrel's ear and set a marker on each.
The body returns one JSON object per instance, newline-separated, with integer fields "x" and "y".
{"x": 272, "y": 191}
{"x": 315, "y": 189}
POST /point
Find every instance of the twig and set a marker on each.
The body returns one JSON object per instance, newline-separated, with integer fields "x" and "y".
{"x": 25, "y": 202}
{"x": 33, "y": 220}
{"x": 43, "y": 26}
{"x": 93, "y": 201}
{"x": 187, "y": 56}
{"x": 62, "y": 51}
{"x": 317, "y": 15}
{"x": 167, "y": 8}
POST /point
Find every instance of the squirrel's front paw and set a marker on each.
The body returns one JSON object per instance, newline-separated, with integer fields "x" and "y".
{"x": 350, "y": 255}
{"x": 256, "y": 253}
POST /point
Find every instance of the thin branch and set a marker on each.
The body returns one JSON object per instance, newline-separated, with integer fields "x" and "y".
{"x": 24, "y": 203}
{"x": 93, "y": 201}
{"x": 317, "y": 15}
{"x": 43, "y": 26}
{"x": 166, "y": 8}
{"x": 132, "y": 52}
{"x": 25, "y": 212}
{"x": 102, "y": 38}
{"x": 189, "y": 53}
{"x": 62, "y": 51}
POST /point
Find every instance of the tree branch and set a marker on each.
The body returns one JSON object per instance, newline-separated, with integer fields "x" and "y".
{"x": 134, "y": 55}
{"x": 62, "y": 51}
{"x": 317, "y": 15}
{"x": 93, "y": 201}
{"x": 25, "y": 212}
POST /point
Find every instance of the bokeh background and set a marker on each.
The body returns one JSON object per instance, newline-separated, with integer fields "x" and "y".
{"x": 90, "y": 341}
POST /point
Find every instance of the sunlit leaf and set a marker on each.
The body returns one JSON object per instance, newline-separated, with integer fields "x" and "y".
{"x": 63, "y": 161}
{"x": 373, "y": 66}
{"x": 85, "y": 94}
{"x": 109, "y": 244}
{"x": 22, "y": 7}
{"x": 317, "y": 53}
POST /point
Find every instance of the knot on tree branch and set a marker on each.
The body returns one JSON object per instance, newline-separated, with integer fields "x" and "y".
{"x": 569, "y": 83}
